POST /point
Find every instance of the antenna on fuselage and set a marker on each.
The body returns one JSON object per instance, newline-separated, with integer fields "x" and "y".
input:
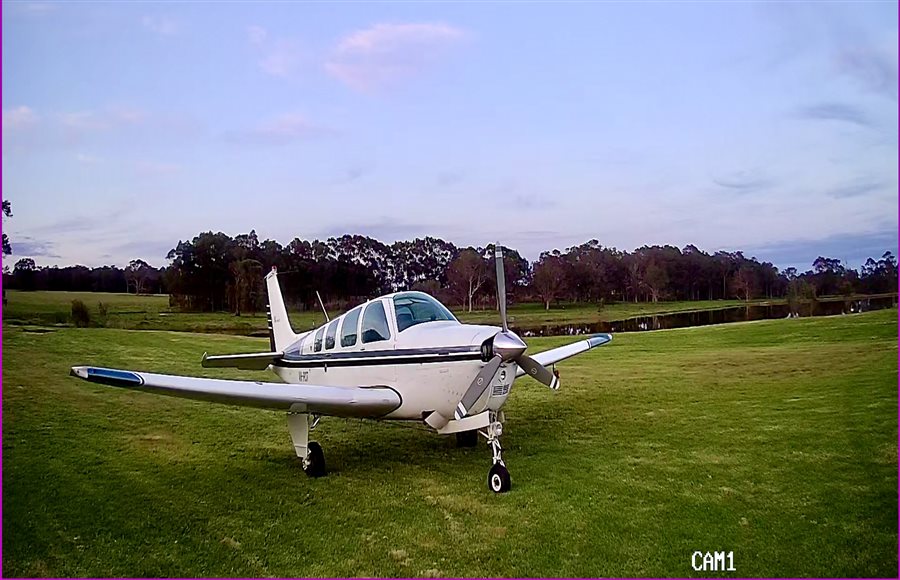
{"x": 325, "y": 312}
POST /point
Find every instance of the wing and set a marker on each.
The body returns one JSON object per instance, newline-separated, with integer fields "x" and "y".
{"x": 259, "y": 361}
{"x": 554, "y": 355}
{"x": 301, "y": 398}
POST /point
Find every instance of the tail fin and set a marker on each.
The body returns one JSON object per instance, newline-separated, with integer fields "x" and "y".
{"x": 281, "y": 335}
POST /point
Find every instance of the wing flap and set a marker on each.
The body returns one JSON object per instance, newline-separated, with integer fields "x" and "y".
{"x": 320, "y": 399}
{"x": 554, "y": 355}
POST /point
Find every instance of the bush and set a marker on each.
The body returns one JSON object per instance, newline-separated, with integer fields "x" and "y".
{"x": 80, "y": 314}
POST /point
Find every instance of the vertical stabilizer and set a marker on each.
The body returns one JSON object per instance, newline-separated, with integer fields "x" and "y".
{"x": 281, "y": 335}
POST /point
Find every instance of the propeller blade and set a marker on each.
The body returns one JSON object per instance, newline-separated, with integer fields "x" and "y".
{"x": 537, "y": 371}
{"x": 478, "y": 386}
{"x": 501, "y": 285}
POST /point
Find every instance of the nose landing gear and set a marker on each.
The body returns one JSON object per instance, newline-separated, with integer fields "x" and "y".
{"x": 498, "y": 477}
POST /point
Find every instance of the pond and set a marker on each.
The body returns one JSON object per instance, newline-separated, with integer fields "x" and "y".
{"x": 707, "y": 317}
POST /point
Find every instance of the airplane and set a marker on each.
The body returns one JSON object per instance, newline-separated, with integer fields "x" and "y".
{"x": 403, "y": 356}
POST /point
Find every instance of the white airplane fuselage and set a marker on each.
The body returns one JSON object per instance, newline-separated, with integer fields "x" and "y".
{"x": 430, "y": 365}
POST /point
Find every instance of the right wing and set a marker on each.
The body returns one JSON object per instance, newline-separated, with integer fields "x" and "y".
{"x": 300, "y": 398}
{"x": 554, "y": 355}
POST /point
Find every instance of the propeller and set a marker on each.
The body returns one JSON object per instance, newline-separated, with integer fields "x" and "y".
{"x": 505, "y": 346}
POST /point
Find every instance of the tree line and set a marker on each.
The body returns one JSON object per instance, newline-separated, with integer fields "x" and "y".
{"x": 217, "y": 272}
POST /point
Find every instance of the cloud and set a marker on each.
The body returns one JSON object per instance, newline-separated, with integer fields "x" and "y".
{"x": 835, "y": 112}
{"x": 385, "y": 229}
{"x": 532, "y": 201}
{"x": 29, "y": 247}
{"x": 161, "y": 25}
{"x": 101, "y": 120}
{"x": 155, "y": 168}
{"x": 853, "y": 248}
{"x": 353, "y": 173}
{"x": 281, "y": 130}
{"x": 874, "y": 70}
{"x": 856, "y": 189}
{"x": 382, "y": 54}
{"x": 280, "y": 60}
{"x": 36, "y": 8}
{"x": 152, "y": 251}
{"x": 449, "y": 178}
{"x": 280, "y": 57}
{"x": 83, "y": 223}
{"x": 19, "y": 118}
{"x": 87, "y": 159}
{"x": 256, "y": 34}
{"x": 744, "y": 181}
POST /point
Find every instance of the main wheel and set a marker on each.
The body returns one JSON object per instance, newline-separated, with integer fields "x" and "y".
{"x": 315, "y": 461}
{"x": 467, "y": 439}
{"x": 498, "y": 479}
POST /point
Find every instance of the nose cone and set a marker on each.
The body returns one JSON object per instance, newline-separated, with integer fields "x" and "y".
{"x": 508, "y": 346}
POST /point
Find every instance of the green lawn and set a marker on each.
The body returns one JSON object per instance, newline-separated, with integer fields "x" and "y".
{"x": 776, "y": 440}
{"x": 128, "y": 311}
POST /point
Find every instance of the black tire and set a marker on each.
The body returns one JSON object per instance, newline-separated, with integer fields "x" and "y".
{"x": 467, "y": 439}
{"x": 315, "y": 464}
{"x": 498, "y": 479}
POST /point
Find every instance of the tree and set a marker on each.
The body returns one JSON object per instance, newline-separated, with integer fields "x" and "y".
{"x": 655, "y": 279}
{"x": 24, "y": 274}
{"x": 467, "y": 273}
{"x": 548, "y": 278}
{"x": 137, "y": 273}
{"x": 7, "y": 212}
{"x": 744, "y": 283}
{"x": 247, "y": 284}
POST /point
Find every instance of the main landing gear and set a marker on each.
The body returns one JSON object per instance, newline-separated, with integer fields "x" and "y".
{"x": 498, "y": 476}
{"x": 310, "y": 452}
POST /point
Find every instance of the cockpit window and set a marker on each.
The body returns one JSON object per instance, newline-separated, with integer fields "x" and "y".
{"x": 375, "y": 324}
{"x": 417, "y": 307}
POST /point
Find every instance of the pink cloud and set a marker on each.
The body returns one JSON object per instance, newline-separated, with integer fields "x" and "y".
{"x": 281, "y": 130}
{"x": 382, "y": 54}
{"x": 19, "y": 118}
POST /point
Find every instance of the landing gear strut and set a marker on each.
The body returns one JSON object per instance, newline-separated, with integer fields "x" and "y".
{"x": 498, "y": 476}
{"x": 310, "y": 452}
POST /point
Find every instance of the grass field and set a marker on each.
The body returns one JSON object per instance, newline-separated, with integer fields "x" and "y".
{"x": 774, "y": 439}
{"x": 128, "y": 311}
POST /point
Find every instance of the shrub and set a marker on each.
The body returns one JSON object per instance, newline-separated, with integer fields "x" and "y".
{"x": 80, "y": 314}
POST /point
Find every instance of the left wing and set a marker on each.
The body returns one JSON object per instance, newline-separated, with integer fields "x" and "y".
{"x": 301, "y": 398}
{"x": 554, "y": 355}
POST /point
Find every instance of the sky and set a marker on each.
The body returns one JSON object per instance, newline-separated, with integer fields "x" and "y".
{"x": 764, "y": 127}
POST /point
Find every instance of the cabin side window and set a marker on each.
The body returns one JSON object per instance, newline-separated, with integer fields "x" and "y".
{"x": 348, "y": 330}
{"x": 330, "y": 334}
{"x": 303, "y": 343}
{"x": 318, "y": 344}
{"x": 375, "y": 324}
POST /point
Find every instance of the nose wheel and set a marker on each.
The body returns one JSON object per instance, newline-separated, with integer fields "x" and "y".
{"x": 498, "y": 479}
{"x": 498, "y": 476}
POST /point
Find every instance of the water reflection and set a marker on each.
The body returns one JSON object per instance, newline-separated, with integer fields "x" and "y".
{"x": 707, "y": 317}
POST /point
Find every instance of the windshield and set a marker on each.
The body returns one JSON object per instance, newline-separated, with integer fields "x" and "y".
{"x": 416, "y": 307}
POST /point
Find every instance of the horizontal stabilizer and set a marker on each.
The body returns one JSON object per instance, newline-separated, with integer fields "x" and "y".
{"x": 251, "y": 362}
{"x": 299, "y": 398}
